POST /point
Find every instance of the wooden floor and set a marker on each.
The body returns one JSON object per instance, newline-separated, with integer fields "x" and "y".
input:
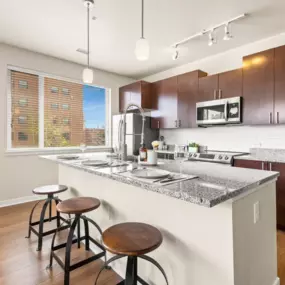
{"x": 20, "y": 263}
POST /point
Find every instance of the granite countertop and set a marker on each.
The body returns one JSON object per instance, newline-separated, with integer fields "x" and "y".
{"x": 215, "y": 183}
{"x": 264, "y": 154}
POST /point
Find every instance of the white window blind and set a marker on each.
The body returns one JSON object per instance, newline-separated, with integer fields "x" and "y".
{"x": 47, "y": 112}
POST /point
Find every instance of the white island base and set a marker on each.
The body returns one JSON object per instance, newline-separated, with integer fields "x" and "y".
{"x": 202, "y": 246}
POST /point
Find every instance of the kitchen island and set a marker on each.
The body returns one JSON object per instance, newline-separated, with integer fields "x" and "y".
{"x": 211, "y": 234}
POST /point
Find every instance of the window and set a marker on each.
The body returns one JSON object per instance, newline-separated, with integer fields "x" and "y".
{"x": 65, "y": 91}
{"x": 22, "y": 119}
{"x": 65, "y": 106}
{"x": 54, "y": 89}
{"x": 23, "y": 84}
{"x": 22, "y": 136}
{"x": 54, "y": 105}
{"x": 39, "y": 120}
{"x": 23, "y": 102}
{"x": 65, "y": 121}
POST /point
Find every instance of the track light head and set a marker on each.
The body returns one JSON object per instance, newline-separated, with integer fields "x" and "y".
{"x": 88, "y": 3}
{"x": 175, "y": 55}
{"x": 228, "y": 36}
{"x": 212, "y": 39}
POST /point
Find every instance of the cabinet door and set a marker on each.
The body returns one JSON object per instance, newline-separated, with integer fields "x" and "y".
{"x": 188, "y": 89}
{"x": 253, "y": 164}
{"x": 258, "y": 88}
{"x": 280, "y": 194}
{"x": 156, "y": 94}
{"x": 167, "y": 103}
{"x": 136, "y": 93}
{"x": 230, "y": 84}
{"x": 279, "y": 96}
{"x": 124, "y": 98}
{"x": 208, "y": 88}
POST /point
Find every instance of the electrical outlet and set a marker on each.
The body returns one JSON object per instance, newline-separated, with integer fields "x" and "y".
{"x": 255, "y": 212}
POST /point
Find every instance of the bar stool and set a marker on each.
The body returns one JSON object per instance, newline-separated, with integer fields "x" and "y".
{"x": 132, "y": 240}
{"x": 76, "y": 206}
{"x": 50, "y": 191}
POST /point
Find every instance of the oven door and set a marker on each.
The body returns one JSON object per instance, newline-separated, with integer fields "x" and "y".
{"x": 215, "y": 112}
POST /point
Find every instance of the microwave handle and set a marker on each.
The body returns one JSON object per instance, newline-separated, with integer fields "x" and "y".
{"x": 226, "y": 111}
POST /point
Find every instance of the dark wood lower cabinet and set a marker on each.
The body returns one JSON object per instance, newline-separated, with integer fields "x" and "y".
{"x": 280, "y": 193}
{"x": 280, "y": 184}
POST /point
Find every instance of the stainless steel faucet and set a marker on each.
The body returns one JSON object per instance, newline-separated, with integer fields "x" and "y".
{"x": 123, "y": 131}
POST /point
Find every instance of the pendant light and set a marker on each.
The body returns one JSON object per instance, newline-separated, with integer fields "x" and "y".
{"x": 87, "y": 75}
{"x": 142, "y": 46}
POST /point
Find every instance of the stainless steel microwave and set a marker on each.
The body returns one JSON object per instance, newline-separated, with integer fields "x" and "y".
{"x": 219, "y": 112}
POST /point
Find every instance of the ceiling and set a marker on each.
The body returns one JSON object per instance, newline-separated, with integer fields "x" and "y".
{"x": 58, "y": 28}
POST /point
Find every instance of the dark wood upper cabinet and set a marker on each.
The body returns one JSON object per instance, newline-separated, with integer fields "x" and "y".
{"x": 279, "y": 96}
{"x": 188, "y": 96}
{"x": 176, "y": 99}
{"x": 138, "y": 93}
{"x": 208, "y": 88}
{"x": 230, "y": 84}
{"x": 258, "y": 88}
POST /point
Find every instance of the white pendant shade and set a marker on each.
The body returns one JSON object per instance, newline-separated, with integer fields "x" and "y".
{"x": 142, "y": 49}
{"x": 87, "y": 76}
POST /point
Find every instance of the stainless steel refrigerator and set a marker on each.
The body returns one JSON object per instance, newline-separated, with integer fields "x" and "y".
{"x": 133, "y": 130}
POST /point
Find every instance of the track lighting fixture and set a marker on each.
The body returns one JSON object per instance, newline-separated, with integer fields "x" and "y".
{"x": 212, "y": 39}
{"x": 175, "y": 53}
{"x": 228, "y": 36}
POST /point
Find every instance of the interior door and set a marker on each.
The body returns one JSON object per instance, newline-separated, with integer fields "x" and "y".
{"x": 258, "y": 88}
{"x": 230, "y": 84}
{"x": 208, "y": 88}
{"x": 279, "y": 96}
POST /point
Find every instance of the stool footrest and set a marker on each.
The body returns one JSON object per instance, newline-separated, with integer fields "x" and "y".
{"x": 140, "y": 280}
{"x": 86, "y": 261}
{"x": 62, "y": 245}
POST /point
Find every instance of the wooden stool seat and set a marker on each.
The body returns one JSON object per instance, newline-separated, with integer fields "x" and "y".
{"x": 132, "y": 239}
{"x": 50, "y": 189}
{"x": 78, "y": 205}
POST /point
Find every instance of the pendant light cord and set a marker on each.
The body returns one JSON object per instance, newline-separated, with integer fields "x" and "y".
{"x": 142, "y": 19}
{"x": 88, "y": 43}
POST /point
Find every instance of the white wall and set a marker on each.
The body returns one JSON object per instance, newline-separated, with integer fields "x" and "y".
{"x": 226, "y": 138}
{"x": 20, "y": 174}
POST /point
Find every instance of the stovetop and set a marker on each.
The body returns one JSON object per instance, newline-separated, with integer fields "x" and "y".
{"x": 225, "y": 157}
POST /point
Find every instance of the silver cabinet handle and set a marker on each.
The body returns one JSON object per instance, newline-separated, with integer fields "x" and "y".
{"x": 270, "y": 166}
{"x": 262, "y": 165}
{"x": 180, "y": 123}
{"x": 277, "y": 117}
{"x": 158, "y": 124}
{"x": 220, "y": 93}
{"x": 270, "y": 118}
{"x": 215, "y": 94}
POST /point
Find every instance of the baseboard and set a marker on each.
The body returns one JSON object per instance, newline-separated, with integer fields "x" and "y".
{"x": 277, "y": 281}
{"x": 20, "y": 200}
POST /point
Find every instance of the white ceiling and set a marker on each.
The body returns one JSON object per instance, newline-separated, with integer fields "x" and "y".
{"x": 58, "y": 28}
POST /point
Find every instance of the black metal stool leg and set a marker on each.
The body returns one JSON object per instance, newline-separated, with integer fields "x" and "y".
{"x": 68, "y": 250}
{"x": 57, "y": 214}
{"x": 50, "y": 207}
{"x": 78, "y": 234}
{"x": 132, "y": 271}
{"x": 31, "y": 218}
{"x": 86, "y": 226}
{"x": 41, "y": 225}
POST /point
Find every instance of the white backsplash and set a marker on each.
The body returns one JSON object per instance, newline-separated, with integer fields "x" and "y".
{"x": 230, "y": 138}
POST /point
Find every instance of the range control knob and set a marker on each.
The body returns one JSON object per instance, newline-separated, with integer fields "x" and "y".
{"x": 220, "y": 157}
{"x": 190, "y": 154}
{"x": 195, "y": 155}
{"x": 226, "y": 157}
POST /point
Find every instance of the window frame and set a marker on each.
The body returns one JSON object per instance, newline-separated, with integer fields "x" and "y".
{"x": 41, "y": 148}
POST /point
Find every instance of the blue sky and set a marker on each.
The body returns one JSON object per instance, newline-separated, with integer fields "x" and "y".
{"x": 94, "y": 106}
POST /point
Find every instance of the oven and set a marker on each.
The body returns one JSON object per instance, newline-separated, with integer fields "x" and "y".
{"x": 219, "y": 112}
